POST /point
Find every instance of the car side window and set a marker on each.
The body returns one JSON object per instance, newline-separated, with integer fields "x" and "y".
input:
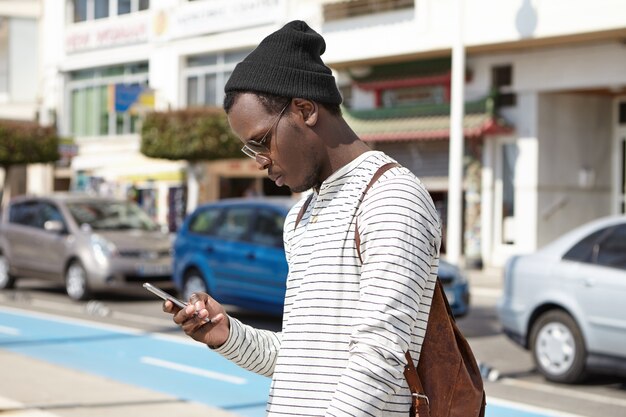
{"x": 235, "y": 223}
{"x": 583, "y": 250}
{"x": 204, "y": 222}
{"x": 47, "y": 212}
{"x": 24, "y": 214}
{"x": 268, "y": 229}
{"x": 611, "y": 251}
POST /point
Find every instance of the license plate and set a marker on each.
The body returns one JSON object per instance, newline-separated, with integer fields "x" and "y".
{"x": 155, "y": 269}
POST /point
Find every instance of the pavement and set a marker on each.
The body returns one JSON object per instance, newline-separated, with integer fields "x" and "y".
{"x": 34, "y": 388}
{"x": 486, "y": 279}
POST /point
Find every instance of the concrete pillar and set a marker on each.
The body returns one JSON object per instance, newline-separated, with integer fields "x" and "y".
{"x": 455, "y": 188}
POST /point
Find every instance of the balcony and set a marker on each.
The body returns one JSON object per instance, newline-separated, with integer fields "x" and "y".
{"x": 358, "y": 8}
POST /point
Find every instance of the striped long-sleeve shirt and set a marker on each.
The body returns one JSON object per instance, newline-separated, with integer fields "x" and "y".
{"x": 347, "y": 324}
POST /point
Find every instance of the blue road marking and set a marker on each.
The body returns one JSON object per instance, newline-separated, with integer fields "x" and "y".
{"x": 117, "y": 354}
{"x": 185, "y": 370}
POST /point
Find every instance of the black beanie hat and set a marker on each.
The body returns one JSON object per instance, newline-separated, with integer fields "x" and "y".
{"x": 287, "y": 63}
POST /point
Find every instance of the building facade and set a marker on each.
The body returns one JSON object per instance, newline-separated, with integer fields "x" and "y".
{"x": 545, "y": 113}
{"x": 21, "y": 39}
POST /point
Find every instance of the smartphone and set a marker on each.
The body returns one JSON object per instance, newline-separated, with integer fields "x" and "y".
{"x": 162, "y": 294}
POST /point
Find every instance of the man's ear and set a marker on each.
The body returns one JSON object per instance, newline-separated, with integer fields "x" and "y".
{"x": 309, "y": 110}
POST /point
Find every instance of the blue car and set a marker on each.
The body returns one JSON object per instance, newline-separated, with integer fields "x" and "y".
{"x": 456, "y": 287}
{"x": 233, "y": 250}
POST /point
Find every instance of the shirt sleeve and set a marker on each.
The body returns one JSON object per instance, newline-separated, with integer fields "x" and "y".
{"x": 400, "y": 237}
{"x": 252, "y": 349}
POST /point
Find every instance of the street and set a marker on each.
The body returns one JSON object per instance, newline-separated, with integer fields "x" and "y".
{"x": 518, "y": 387}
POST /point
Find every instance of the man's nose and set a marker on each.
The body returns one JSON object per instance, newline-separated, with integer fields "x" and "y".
{"x": 263, "y": 161}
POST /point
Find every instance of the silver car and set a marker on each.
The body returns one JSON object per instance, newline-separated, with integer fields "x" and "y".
{"x": 88, "y": 243}
{"x": 566, "y": 303}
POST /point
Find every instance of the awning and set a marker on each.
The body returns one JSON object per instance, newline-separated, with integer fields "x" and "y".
{"x": 423, "y": 123}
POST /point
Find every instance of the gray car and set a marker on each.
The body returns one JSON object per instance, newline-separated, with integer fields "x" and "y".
{"x": 88, "y": 243}
{"x": 566, "y": 303}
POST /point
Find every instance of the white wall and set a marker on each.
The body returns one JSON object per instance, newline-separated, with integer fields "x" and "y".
{"x": 486, "y": 22}
{"x": 526, "y": 178}
{"x": 23, "y": 60}
{"x": 575, "y": 134}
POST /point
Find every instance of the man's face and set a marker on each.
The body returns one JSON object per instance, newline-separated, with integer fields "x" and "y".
{"x": 292, "y": 157}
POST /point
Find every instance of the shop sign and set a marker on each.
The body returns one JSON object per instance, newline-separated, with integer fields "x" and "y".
{"x": 66, "y": 152}
{"x": 204, "y": 17}
{"x": 105, "y": 33}
{"x": 131, "y": 98}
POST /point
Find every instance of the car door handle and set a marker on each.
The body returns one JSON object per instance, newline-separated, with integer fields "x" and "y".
{"x": 251, "y": 256}
{"x": 209, "y": 249}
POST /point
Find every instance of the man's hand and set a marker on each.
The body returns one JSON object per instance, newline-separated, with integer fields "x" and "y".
{"x": 192, "y": 319}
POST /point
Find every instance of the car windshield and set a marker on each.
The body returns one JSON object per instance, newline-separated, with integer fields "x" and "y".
{"x": 110, "y": 215}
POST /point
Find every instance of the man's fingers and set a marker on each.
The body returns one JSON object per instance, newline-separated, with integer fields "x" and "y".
{"x": 169, "y": 307}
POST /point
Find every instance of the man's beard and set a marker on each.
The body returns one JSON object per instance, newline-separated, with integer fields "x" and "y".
{"x": 310, "y": 181}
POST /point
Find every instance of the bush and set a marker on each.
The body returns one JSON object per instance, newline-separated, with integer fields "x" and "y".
{"x": 26, "y": 143}
{"x": 191, "y": 134}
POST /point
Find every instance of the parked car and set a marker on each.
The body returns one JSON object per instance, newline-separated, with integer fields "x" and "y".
{"x": 233, "y": 249}
{"x": 88, "y": 243}
{"x": 566, "y": 303}
{"x": 456, "y": 288}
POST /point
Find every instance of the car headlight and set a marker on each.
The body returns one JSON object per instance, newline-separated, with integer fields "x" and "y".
{"x": 102, "y": 249}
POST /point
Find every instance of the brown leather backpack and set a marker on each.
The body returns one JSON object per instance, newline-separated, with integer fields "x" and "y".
{"x": 447, "y": 382}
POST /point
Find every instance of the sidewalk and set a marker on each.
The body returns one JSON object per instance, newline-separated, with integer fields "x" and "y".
{"x": 488, "y": 277}
{"x": 486, "y": 282}
{"x": 32, "y": 388}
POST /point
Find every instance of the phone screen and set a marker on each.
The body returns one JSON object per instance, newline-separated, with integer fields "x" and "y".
{"x": 162, "y": 294}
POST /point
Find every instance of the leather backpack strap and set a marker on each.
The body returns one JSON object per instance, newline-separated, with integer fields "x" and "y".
{"x": 419, "y": 401}
{"x": 420, "y": 406}
{"x": 303, "y": 210}
{"x": 375, "y": 177}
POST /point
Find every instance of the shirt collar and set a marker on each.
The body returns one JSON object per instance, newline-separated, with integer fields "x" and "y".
{"x": 347, "y": 168}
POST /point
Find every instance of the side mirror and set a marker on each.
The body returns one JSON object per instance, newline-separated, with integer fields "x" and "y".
{"x": 54, "y": 226}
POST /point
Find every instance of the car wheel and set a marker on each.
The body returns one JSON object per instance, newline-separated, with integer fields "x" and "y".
{"x": 194, "y": 282}
{"x": 76, "y": 282}
{"x": 6, "y": 279}
{"x": 558, "y": 347}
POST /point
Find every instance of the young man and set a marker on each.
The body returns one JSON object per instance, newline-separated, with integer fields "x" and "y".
{"x": 351, "y": 309}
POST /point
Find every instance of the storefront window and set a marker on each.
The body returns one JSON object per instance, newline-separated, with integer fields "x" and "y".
{"x": 103, "y": 107}
{"x": 78, "y": 97}
{"x": 192, "y": 91}
{"x": 206, "y": 75}
{"x": 80, "y": 10}
{"x": 210, "y": 88}
{"x": 99, "y": 9}
{"x": 102, "y": 100}
{"x": 123, "y": 6}
{"x": 91, "y": 110}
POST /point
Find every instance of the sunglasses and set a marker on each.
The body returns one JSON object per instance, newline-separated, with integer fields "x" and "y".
{"x": 252, "y": 148}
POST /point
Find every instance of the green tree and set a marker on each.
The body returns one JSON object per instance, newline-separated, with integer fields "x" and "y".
{"x": 195, "y": 134}
{"x": 24, "y": 143}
